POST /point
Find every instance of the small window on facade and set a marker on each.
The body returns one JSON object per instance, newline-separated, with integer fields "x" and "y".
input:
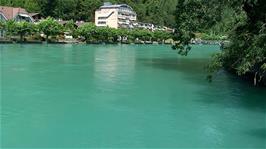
{"x": 101, "y": 22}
{"x": 101, "y": 18}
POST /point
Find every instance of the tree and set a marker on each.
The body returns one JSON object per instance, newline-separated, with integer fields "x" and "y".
{"x": 246, "y": 53}
{"x": 87, "y": 31}
{"x": 24, "y": 28}
{"x": 70, "y": 27}
{"x": 32, "y": 6}
{"x": 10, "y": 27}
{"x": 141, "y": 34}
{"x": 50, "y": 27}
{"x": 85, "y": 9}
{"x": 161, "y": 36}
{"x": 103, "y": 34}
{"x": 160, "y": 12}
{"x": 123, "y": 34}
{"x": 47, "y": 7}
{"x": 2, "y": 25}
{"x": 192, "y": 17}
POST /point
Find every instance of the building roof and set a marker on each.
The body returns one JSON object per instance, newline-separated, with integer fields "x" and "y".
{"x": 11, "y": 12}
{"x": 108, "y": 6}
{"x": 33, "y": 14}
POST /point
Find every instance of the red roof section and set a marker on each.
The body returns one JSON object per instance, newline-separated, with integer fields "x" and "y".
{"x": 11, "y": 12}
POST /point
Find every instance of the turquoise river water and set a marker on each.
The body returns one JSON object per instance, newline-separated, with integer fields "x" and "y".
{"x": 124, "y": 96}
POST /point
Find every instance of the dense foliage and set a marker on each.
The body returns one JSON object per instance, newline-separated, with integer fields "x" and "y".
{"x": 24, "y": 28}
{"x": 50, "y": 27}
{"x": 246, "y": 26}
{"x": 91, "y": 33}
{"x": 159, "y": 12}
{"x": 87, "y": 32}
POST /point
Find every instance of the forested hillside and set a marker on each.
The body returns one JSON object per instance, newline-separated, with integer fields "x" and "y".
{"x": 159, "y": 12}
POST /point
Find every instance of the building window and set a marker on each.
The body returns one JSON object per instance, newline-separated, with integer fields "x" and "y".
{"x": 102, "y": 18}
{"x": 101, "y": 22}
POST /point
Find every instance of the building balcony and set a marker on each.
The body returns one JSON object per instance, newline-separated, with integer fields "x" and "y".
{"x": 133, "y": 18}
{"x": 121, "y": 17}
{"x": 127, "y": 13}
{"x": 123, "y": 23}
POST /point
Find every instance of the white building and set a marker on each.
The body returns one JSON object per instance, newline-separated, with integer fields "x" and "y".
{"x": 115, "y": 16}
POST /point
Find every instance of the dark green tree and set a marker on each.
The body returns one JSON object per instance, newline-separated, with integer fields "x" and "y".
{"x": 47, "y": 7}
{"x": 160, "y": 12}
{"x": 246, "y": 53}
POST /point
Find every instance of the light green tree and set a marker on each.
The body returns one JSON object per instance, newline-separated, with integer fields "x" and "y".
{"x": 70, "y": 27}
{"x": 24, "y": 28}
{"x": 87, "y": 31}
{"x": 10, "y": 27}
{"x": 50, "y": 27}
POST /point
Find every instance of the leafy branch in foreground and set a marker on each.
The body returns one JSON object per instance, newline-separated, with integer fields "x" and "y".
{"x": 192, "y": 17}
{"x": 246, "y": 53}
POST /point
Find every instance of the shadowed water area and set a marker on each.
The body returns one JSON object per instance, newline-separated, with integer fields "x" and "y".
{"x": 127, "y": 96}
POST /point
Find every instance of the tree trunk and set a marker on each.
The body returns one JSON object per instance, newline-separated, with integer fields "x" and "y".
{"x": 21, "y": 38}
{"x": 255, "y": 79}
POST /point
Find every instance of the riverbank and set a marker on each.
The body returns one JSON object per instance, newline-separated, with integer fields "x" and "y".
{"x": 79, "y": 42}
{"x": 194, "y": 42}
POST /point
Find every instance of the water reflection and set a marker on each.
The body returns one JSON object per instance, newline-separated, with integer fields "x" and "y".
{"x": 113, "y": 67}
